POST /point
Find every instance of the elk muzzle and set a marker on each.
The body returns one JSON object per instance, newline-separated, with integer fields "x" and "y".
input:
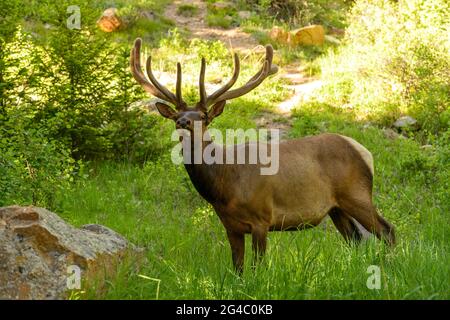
{"x": 184, "y": 123}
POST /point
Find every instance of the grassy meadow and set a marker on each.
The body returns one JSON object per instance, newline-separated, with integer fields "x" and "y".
{"x": 188, "y": 256}
{"x": 117, "y": 171}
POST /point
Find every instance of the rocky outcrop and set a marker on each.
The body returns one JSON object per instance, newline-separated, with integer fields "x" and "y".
{"x": 40, "y": 252}
{"x": 279, "y": 35}
{"x": 406, "y": 123}
{"x": 244, "y": 15}
{"x": 311, "y": 35}
{"x": 109, "y": 21}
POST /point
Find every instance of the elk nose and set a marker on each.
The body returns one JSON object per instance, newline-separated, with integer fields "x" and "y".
{"x": 183, "y": 123}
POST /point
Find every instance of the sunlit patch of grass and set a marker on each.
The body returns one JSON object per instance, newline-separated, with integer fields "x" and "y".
{"x": 219, "y": 20}
{"x": 187, "y": 10}
{"x": 157, "y": 208}
{"x": 221, "y": 16}
{"x": 187, "y": 250}
{"x": 219, "y": 69}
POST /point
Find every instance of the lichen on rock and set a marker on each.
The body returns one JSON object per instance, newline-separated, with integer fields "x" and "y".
{"x": 37, "y": 248}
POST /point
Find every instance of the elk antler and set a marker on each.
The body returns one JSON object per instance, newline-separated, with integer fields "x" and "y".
{"x": 223, "y": 93}
{"x": 153, "y": 86}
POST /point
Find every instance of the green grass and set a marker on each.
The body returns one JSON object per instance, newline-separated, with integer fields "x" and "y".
{"x": 156, "y": 207}
{"x": 219, "y": 20}
{"x": 140, "y": 18}
{"x": 187, "y": 10}
{"x": 221, "y": 17}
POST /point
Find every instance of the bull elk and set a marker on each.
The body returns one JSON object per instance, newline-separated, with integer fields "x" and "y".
{"x": 327, "y": 174}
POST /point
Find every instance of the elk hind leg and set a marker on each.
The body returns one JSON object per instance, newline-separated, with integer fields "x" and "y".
{"x": 345, "y": 225}
{"x": 365, "y": 213}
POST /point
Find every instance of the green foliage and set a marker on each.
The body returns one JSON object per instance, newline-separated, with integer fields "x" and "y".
{"x": 143, "y": 19}
{"x": 219, "y": 20}
{"x": 221, "y": 16}
{"x": 10, "y": 12}
{"x": 79, "y": 87}
{"x": 32, "y": 167}
{"x": 310, "y": 264}
{"x": 66, "y": 94}
{"x": 299, "y": 13}
{"x": 396, "y": 60}
{"x": 307, "y": 12}
{"x": 187, "y": 10}
{"x": 210, "y": 50}
{"x": 9, "y": 17}
{"x": 72, "y": 140}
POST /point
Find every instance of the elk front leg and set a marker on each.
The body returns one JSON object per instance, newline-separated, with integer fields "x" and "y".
{"x": 237, "y": 243}
{"x": 259, "y": 240}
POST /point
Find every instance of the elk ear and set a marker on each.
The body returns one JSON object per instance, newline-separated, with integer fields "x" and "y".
{"x": 165, "y": 110}
{"x": 216, "y": 110}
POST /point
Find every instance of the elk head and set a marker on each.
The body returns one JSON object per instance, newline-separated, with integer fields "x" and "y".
{"x": 209, "y": 106}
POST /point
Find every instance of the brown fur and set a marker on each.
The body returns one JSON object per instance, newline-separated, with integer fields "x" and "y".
{"x": 318, "y": 176}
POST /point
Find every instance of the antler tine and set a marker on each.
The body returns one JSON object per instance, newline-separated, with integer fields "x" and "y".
{"x": 201, "y": 85}
{"x": 181, "y": 103}
{"x": 170, "y": 96}
{"x": 136, "y": 70}
{"x": 213, "y": 97}
{"x": 153, "y": 86}
{"x": 269, "y": 58}
{"x": 250, "y": 85}
{"x": 266, "y": 70}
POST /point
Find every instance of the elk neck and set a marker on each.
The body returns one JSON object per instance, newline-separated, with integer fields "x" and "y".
{"x": 208, "y": 179}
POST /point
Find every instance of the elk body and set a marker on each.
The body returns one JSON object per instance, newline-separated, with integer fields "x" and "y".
{"x": 322, "y": 175}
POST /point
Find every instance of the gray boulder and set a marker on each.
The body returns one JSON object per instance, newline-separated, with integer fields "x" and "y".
{"x": 406, "y": 123}
{"x": 244, "y": 15}
{"x": 40, "y": 254}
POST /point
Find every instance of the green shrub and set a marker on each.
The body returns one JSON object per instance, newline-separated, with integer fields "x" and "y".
{"x": 224, "y": 17}
{"x": 299, "y": 13}
{"x": 187, "y": 10}
{"x": 84, "y": 96}
{"x": 65, "y": 95}
{"x": 32, "y": 167}
{"x": 219, "y": 20}
{"x": 395, "y": 61}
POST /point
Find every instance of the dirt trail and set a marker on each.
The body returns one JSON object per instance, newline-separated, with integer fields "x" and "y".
{"x": 198, "y": 28}
{"x": 237, "y": 40}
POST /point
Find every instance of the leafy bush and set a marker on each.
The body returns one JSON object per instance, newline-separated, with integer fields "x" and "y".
{"x": 395, "y": 61}
{"x": 65, "y": 96}
{"x": 302, "y": 12}
{"x": 219, "y": 20}
{"x": 77, "y": 84}
{"x": 32, "y": 167}
{"x": 221, "y": 16}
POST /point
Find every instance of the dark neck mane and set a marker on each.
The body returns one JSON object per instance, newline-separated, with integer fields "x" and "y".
{"x": 207, "y": 178}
